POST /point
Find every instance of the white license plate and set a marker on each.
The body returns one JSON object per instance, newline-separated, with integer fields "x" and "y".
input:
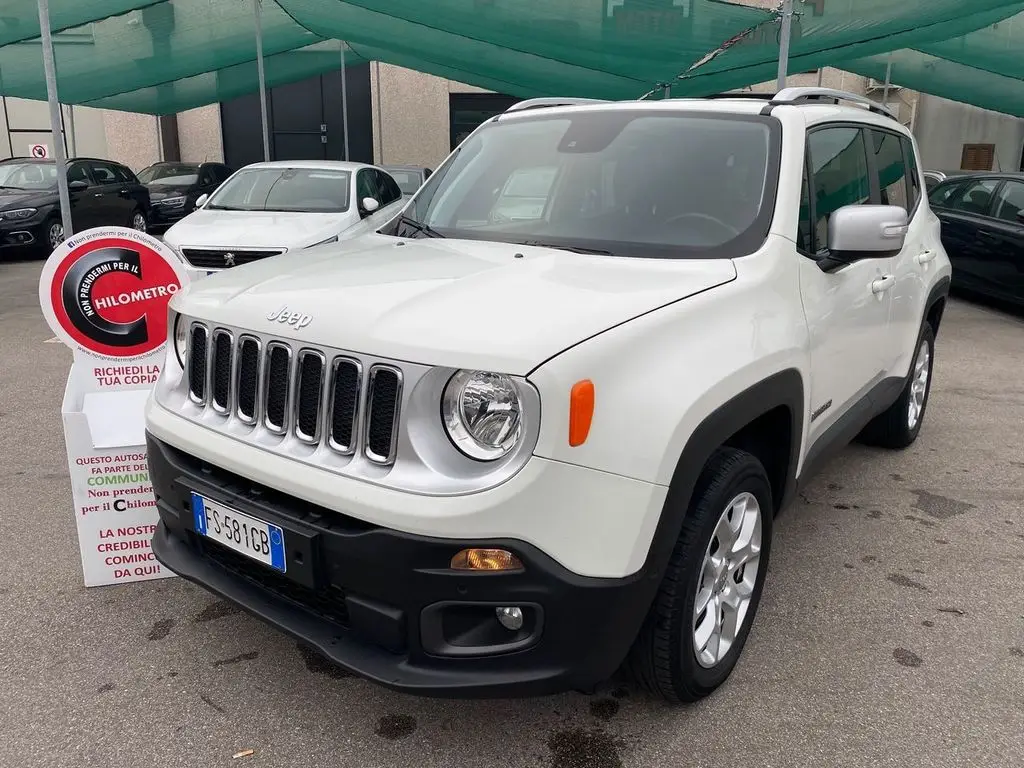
{"x": 236, "y": 530}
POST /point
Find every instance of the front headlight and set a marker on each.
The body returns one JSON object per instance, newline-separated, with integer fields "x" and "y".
{"x": 482, "y": 414}
{"x": 19, "y": 213}
{"x": 180, "y": 338}
{"x": 171, "y": 202}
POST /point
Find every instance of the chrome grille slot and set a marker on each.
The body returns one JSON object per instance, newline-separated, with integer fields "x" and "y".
{"x": 346, "y": 380}
{"x": 221, "y": 379}
{"x": 247, "y": 393}
{"x": 309, "y": 389}
{"x": 383, "y": 403}
{"x": 198, "y": 348}
{"x": 277, "y": 386}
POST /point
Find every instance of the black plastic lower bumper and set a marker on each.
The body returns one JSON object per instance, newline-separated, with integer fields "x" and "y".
{"x": 385, "y": 605}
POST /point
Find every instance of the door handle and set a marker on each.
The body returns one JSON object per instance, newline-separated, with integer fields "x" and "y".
{"x": 925, "y": 256}
{"x": 883, "y": 284}
{"x": 97, "y": 194}
{"x": 987, "y": 235}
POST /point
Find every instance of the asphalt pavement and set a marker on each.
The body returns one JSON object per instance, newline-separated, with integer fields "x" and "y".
{"x": 891, "y": 632}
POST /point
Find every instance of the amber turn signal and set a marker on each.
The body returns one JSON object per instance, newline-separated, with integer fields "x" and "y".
{"x": 486, "y": 560}
{"x": 581, "y": 411}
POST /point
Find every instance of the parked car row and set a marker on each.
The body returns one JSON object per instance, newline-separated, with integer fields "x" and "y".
{"x": 982, "y": 217}
{"x": 267, "y": 208}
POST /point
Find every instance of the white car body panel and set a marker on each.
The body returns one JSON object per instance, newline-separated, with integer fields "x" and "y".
{"x": 666, "y": 343}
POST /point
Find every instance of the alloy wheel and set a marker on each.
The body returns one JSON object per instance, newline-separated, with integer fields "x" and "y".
{"x": 919, "y": 384}
{"x": 139, "y": 221}
{"x": 727, "y": 579}
{"x": 55, "y": 234}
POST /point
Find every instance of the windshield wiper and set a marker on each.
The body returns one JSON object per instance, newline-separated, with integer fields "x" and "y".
{"x": 419, "y": 226}
{"x": 570, "y": 248}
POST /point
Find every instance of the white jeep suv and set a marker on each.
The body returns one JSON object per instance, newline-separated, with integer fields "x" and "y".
{"x": 539, "y": 425}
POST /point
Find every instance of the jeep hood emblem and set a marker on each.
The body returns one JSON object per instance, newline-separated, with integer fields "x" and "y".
{"x": 290, "y": 317}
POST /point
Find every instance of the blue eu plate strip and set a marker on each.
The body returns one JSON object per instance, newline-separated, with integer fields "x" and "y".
{"x": 199, "y": 513}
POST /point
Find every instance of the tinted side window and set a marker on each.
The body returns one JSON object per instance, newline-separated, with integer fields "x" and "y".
{"x": 913, "y": 171}
{"x": 974, "y": 197}
{"x": 389, "y": 190}
{"x": 366, "y": 186}
{"x": 103, "y": 173}
{"x": 1010, "y": 202}
{"x": 77, "y": 172}
{"x": 804, "y": 236}
{"x": 940, "y": 195}
{"x": 206, "y": 176}
{"x": 221, "y": 173}
{"x": 124, "y": 175}
{"x": 839, "y": 165}
{"x": 892, "y": 174}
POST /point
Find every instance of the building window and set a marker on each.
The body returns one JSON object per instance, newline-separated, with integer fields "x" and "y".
{"x": 977, "y": 157}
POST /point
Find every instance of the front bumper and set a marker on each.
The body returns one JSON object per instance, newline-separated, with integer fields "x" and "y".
{"x": 18, "y": 234}
{"x": 161, "y": 215}
{"x": 383, "y": 604}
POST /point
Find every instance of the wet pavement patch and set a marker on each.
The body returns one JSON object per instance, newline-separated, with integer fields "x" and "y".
{"x": 160, "y": 629}
{"x": 581, "y": 748}
{"x": 318, "y": 663}
{"x": 247, "y": 656}
{"x": 604, "y": 709}
{"x": 903, "y": 581}
{"x": 906, "y": 658}
{"x": 940, "y": 507}
{"x": 218, "y": 609}
{"x": 395, "y": 727}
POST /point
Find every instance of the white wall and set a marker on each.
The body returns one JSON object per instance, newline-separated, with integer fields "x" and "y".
{"x": 943, "y": 127}
{"x": 90, "y": 139}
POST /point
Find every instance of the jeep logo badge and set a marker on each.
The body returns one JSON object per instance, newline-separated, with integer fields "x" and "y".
{"x": 288, "y": 317}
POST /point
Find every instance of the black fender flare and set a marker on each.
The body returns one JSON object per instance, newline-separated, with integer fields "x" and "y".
{"x": 938, "y": 293}
{"x": 785, "y": 388}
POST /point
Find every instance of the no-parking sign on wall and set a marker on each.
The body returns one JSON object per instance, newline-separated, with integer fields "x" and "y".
{"x": 104, "y": 293}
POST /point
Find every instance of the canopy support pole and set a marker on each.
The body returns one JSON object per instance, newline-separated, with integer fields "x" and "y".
{"x": 784, "y": 35}
{"x": 262, "y": 77}
{"x": 56, "y": 118}
{"x": 72, "y": 139}
{"x": 344, "y": 99}
{"x": 888, "y": 82}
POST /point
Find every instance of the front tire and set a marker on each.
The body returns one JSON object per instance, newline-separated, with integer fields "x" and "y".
{"x": 708, "y": 598}
{"x": 898, "y": 426}
{"x": 137, "y": 221}
{"x": 52, "y": 236}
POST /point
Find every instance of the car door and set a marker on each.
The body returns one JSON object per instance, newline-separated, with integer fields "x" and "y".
{"x": 86, "y": 201}
{"x": 963, "y": 214}
{"x": 115, "y": 201}
{"x": 1001, "y": 274}
{"x": 847, "y": 310}
{"x": 894, "y": 162}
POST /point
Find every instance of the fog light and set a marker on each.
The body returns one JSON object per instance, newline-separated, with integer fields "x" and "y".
{"x": 510, "y": 617}
{"x": 485, "y": 560}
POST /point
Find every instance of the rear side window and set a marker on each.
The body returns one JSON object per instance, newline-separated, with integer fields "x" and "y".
{"x": 125, "y": 175}
{"x": 839, "y": 165}
{"x": 913, "y": 171}
{"x": 974, "y": 197}
{"x": 940, "y": 195}
{"x": 104, "y": 173}
{"x": 1011, "y": 202}
{"x": 892, "y": 173}
{"x": 389, "y": 189}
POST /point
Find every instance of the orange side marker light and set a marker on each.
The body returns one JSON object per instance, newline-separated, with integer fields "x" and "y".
{"x": 581, "y": 411}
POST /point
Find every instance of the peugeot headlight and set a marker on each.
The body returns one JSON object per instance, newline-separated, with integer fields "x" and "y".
{"x": 482, "y": 414}
{"x": 179, "y": 329}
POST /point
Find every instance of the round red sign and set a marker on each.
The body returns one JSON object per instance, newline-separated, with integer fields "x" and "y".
{"x": 106, "y": 292}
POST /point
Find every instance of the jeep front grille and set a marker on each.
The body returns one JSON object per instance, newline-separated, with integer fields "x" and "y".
{"x": 318, "y": 397}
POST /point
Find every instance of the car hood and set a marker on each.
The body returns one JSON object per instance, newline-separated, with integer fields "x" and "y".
{"x": 15, "y": 198}
{"x": 160, "y": 191}
{"x": 458, "y": 303}
{"x": 257, "y": 229}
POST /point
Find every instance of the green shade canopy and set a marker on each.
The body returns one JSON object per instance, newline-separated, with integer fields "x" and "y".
{"x": 164, "y": 57}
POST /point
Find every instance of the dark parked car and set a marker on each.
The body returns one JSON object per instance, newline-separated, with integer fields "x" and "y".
{"x": 409, "y": 177}
{"x": 175, "y": 187}
{"x": 932, "y": 178}
{"x": 982, "y": 219}
{"x": 103, "y": 193}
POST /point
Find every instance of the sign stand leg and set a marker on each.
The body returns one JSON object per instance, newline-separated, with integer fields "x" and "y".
{"x": 56, "y": 123}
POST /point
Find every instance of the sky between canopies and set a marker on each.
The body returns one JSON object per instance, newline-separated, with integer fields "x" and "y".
{"x": 168, "y": 56}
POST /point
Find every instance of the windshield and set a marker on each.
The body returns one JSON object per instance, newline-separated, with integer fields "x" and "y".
{"x": 310, "y": 190}
{"x": 630, "y": 183}
{"x": 408, "y": 181}
{"x": 28, "y": 175}
{"x": 170, "y": 175}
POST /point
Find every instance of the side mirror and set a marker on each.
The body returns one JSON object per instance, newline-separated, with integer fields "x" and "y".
{"x": 201, "y": 200}
{"x": 857, "y": 232}
{"x": 370, "y": 205}
{"x": 78, "y": 185}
